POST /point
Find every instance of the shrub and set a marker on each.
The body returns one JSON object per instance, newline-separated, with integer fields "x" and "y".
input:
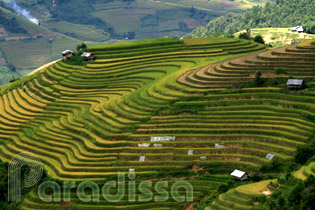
{"x": 304, "y": 153}
{"x": 12, "y": 67}
{"x": 76, "y": 60}
{"x": 14, "y": 78}
{"x": 81, "y": 47}
{"x": 223, "y": 188}
{"x": 275, "y": 166}
{"x": 256, "y": 177}
{"x": 273, "y": 37}
{"x": 244, "y": 35}
{"x": 280, "y": 71}
{"x": 259, "y": 82}
{"x": 259, "y": 39}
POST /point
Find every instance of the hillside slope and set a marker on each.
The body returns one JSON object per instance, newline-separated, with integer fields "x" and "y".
{"x": 90, "y": 122}
{"x": 138, "y": 19}
{"x": 278, "y": 37}
{"x": 283, "y": 14}
{"x": 26, "y": 46}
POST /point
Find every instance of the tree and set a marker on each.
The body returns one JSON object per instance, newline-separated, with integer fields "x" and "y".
{"x": 283, "y": 14}
{"x": 258, "y": 80}
{"x": 280, "y": 71}
{"x": 81, "y": 47}
{"x": 244, "y": 36}
{"x": 259, "y": 39}
{"x": 12, "y": 67}
{"x": 295, "y": 195}
{"x": 131, "y": 35}
{"x": 304, "y": 152}
{"x": 229, "y": 33}
{"x": 14, "y": 78}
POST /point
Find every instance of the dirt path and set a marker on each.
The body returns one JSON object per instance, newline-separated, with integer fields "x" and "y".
{"x": 189, "y": 207}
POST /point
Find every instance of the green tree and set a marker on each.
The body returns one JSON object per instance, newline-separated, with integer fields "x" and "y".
{"x": 81, "y": 47}
{"x": 258, "y": 80}
{"x": 12, "y": 67}
{"x": 259, "y": 39}
{"x": 304, "y": 153}
{"x": 244, "y": 36}
{"x": 280, "y": 71}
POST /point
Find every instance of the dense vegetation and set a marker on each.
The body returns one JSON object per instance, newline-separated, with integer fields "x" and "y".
{"x": 293, "y": 194}
{"x": 283, "y": 13}
{"x": 10, "y": 23}
{"x": 4, "y": 203}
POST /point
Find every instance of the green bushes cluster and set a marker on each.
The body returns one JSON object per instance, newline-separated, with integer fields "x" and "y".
{"x": 280, "y": 71}
{"x": 281, "y": 14}
{"x": 11, "y": 24}
{"x": 292, "y": 194}
{"x": 178, "y": 109}
{"x": 4, "y": 203}
{"x": 306, "y": 151}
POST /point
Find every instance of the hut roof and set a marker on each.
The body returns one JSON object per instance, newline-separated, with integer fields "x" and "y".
{"x": 295, "y": 82}
{"x": 163, "y": 138}
{"x": 238, "y": 173}
{"x": 66, "y": 52}
{"x": 269, "y": 156}
{"x": 86, "y": 54}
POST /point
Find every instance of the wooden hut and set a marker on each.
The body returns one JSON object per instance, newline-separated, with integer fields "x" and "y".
{"x": 67, "y": 54}
{"x": 88, "y": 56}
{"x": 295, "y": 84}
{"x": 239, "y": 175}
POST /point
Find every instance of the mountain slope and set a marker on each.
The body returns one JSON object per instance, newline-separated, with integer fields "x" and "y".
{"x": 90, "y": 122}
{"x": 74, "y": 21}
{"x": 283, "y": 14}
{"x": 142, "y": 18}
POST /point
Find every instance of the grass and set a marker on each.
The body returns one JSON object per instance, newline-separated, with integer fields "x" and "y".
{"x": 307, "y": 44}
{"x": 305, "y": 171}
{"x": 206, "y": 41}
{"x": 137, "y": 44}
{"x": 213, "y": 5}
{"x": 27, "y": 54}
{"x": 148, "y": 19}
{"x": 81, "y": 32}
{"x": 255, "y": 188}
{"x": 5, "y": 73}
{"x": 278, "y": 37}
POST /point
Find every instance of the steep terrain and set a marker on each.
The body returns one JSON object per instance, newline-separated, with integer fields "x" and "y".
{"x": 26, "y": 46}
{"x": 282, "y": 14}
{"x": 135, "y": 18}
{"x": 86, "y": 122}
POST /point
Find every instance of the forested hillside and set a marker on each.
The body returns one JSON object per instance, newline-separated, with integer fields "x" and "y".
{"x": 283, "y": 13}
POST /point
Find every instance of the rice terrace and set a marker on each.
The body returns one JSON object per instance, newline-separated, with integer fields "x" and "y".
{"x": 168, "y": 111}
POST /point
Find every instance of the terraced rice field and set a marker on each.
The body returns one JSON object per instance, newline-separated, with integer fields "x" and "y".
{"x": 306, "y": 171}
{"x": 241, "y": 197}
{"x": 85, "y": 123}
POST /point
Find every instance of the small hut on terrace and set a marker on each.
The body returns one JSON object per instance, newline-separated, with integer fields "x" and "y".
{"x": 295, "y": 84}
{"x": 67, "y": 54}
{"x": 239, "y": 175}
{"x": 88, "y": 56}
